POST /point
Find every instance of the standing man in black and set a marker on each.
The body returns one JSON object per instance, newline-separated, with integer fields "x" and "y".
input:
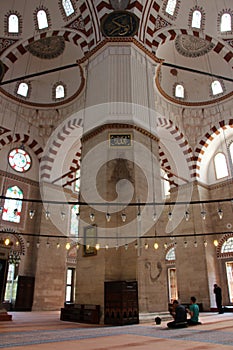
{"x": 218, "y": 298}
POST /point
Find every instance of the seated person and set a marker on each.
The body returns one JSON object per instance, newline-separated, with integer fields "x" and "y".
{"x": 179, "y": 314}
{"x": 193, "y": 312}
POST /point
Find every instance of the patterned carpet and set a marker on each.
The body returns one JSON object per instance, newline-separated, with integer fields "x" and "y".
{"x": 222, "y": 335}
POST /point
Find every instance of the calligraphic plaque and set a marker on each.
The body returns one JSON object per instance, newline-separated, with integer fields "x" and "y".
{"x": 120, "y": 140}
{"x": 119, "y": 24}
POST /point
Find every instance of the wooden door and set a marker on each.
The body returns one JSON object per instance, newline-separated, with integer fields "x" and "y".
{"x": 24, "y": 296}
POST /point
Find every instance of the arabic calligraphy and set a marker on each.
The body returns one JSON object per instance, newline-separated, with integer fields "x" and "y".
{"x": 120, "y": 140}
{"x": 120, "y": 23}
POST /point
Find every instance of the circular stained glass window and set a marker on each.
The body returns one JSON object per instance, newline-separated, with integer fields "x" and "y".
{"x": 19, "y": 160}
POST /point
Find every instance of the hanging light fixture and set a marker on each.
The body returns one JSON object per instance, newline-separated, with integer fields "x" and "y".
{"x": 106, "y": 246}
{"x": 77, "y": 246}
{"x": 67, "y": 245}
{"x": 169, "y": 214}
{"x": 58, "y": 245}
{"x": 205, "y": 243}
{"x": 203, "y": 213}
{"x": 139, "y": 217}
{"x": 154, "y": 216}
{"x": 126, "y": 246}
{"x": 165, "y": 245}
{"x": 156, "y": 246}
{"x": 215, "y": 242}
{"x": 47, "y": 214}
{"x": 28, "y": 244}
{"x": 63, "y": 215}
{"x": 47, "y": 244}
{"x": 92, "y": 217}
{"x": 187, "y": 215}
{"x": 185, "y": 244}
{"x": 146, "y": 245}
{"x": 195, "y": 244}
{"x": 108, "y": 217}
{"x": 31, "y": 213}
{"x": 7, "y": 241}
{"x": 123, "y": 217}
{"x": 136, "y": 245}
{"x": 220, "y": 213}
{"x": 38, "y": 244}
{"x": 97, "y": 246}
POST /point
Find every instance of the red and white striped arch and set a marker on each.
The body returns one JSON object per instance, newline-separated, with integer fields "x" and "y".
{"x": 55, "y": 148}
{"x": 24, "y": 139}
{"x": 77, "y": 38}
{"x": 204, "y": 143}
{"x": 187, "y": 154}
{"x": 220, "y": 47}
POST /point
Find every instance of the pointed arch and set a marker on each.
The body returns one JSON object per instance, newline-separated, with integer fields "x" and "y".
{"x": 184, "y": 148}
{"x": 205, "y": 141}
{"x": 8, "y": 138}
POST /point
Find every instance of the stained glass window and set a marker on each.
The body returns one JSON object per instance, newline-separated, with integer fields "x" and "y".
{"x": 171, "y": 255}
{"x": 68, "y": 7}
{"x": 12, "y": 207}
{"x": 74, "y": 222}
{"x": 19, "y": 160}
{"x": 227, "y": 246}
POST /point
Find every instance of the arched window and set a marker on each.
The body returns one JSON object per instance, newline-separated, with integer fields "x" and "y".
{"x": 12, "y": 207}
{"x": 77, "y": 181}
{"x": 23, "y": 89}
{"x": 171, "y": 254}
{"x": 165, "y": 184}
{"x": 227, "y": 246}
{"x": 227, "y": 251}
{"x": 60, "y": 91}
{"x": 68, "y": 7}
{"x": 170, "y": 7}
{"x": 74, "y": 221}
{"x": 231, "y": 152}
{"x": 225, "y": 22}
{"x": 220, "y": 164}
{"x": 216, "y": 87}
{"x": 179, "y": 91}
{"x": 42, "y": 19}
{"x": 13, "y": 23}
{"x": 196, "y": 19}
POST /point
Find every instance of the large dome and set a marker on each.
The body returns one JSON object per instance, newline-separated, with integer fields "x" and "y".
{"x": 46, "y": 57}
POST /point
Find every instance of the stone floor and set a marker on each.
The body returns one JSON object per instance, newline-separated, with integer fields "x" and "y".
{"x": 45, "y": 331}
